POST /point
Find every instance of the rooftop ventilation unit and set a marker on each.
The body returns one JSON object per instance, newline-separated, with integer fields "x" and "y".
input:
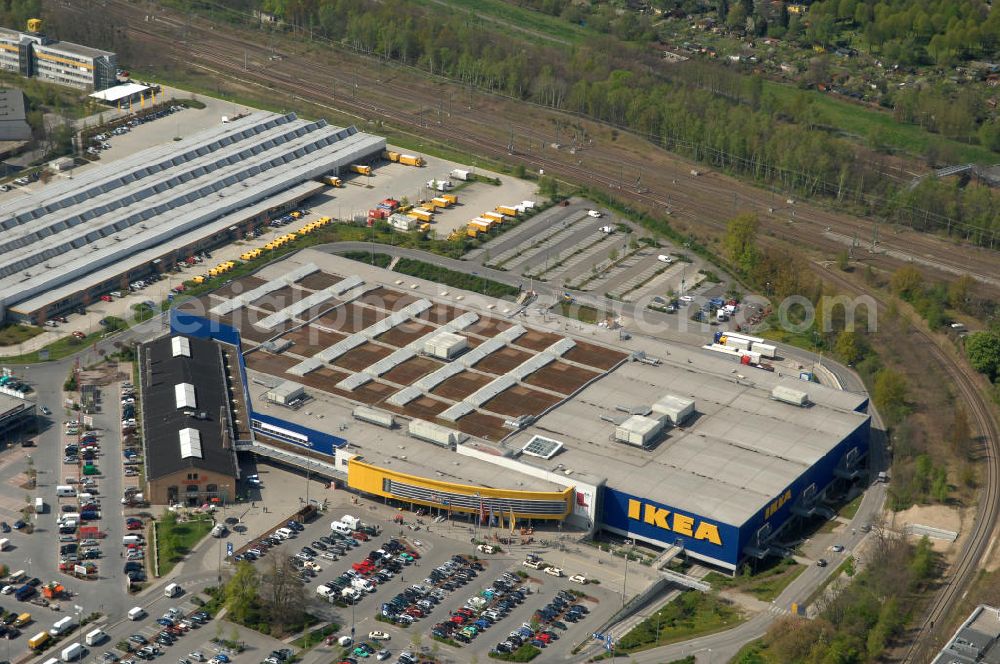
{"x": 542, "y": 447}
{"x": 673, "y": 408}
{"x": 788, "y": 395}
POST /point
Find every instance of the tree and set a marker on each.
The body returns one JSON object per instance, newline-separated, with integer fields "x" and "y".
{"x": 241, "y": 591}
{"x": 740, "y": 242}
{"x": 983, "y": 351}
{"x": 906, "y": 282}
{"x": 890, "y": 396}
{"x": 958, "y": 292}
{"x": 843, "y": 261}
{"x": 847, "y": 346}
{"x": 282, "y": 593}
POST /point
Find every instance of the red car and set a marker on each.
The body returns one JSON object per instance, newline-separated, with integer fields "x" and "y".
{"x": 543, "y": 637}
{"x": 458, "y": 620}
{"x": 360, "y": 536}
{"x": 414, "y": 611}
{"x": 105, "y": 298}
{"x": 179, "y": 288}
{"x": 413, "y": 553}
{"x": 79, "y": 335}
{"x": 468, "y": 613}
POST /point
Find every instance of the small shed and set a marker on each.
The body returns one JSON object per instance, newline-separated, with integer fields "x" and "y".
{"x": 286, "y": 393}
{"x": 638, "y": 430}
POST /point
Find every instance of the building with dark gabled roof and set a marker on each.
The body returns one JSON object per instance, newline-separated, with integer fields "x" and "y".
{"x": 187, "y": 425}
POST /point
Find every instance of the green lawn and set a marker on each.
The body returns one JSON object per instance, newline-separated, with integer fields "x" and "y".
{"x": 175, "y": 539}
{"x": 57, "y": 349}
{"x": 850, "y": 509}
{"x": 316, "y": 636}
{"x": 13, "y": 334}
{"x": 580, "y": 312}
{"x": 692, "y": 614}
{"x": 525, "y": 653}
{"x": 765, "y": 584}
{"x": 861, "y": 122}
{"x": 511, "y": 16}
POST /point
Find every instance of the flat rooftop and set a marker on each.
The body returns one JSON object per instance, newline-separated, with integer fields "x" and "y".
{"x": 73, "y": 49}
{"x": 391, "y": 449}
{"x": 737, "y": 452}
{"x": 69, "y": 230}
{"x": 9, "y": 404}
{"x": 730, "y": 459}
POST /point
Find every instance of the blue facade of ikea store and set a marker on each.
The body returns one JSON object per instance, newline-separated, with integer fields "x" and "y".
{"x": 723, "y": 544}
{"x": 268, "y": 425}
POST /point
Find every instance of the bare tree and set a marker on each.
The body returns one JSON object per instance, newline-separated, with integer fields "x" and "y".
{"x": 282, "y": 592}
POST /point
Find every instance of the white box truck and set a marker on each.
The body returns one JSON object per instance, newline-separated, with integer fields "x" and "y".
{"x": 352, "y": 521}
{"x": 39, "y": 505}
{"x": 61, "y": 626}
{"x": 172, "y": 590}
{"x": 72, "y": 653}
{"x": 136, "y": 613}
{"x": 94, "y": 637}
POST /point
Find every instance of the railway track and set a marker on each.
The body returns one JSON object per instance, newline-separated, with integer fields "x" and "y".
{"x": 980, "y": 540}
{"x": 435, "y": 109}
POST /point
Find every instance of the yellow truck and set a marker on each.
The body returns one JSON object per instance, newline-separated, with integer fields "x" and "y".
{"x": 333, "y": 181}
{"x": 38, "y": 640}
{"x": 295, "y": 214}
{"x": 421, "y": 214}
{"x": 472, "y": 231}
{"x": 494, "y": 216}
{"x": 199, "y": 279}
{"x": 361, "y": 169}
{"x": 22, "y": 620}
{"x": 451, "y": 198}
{"x": 441, "y": 202}
{"x": 479, "y": 225}
{"x": 488, "y": 224}
{"x": 503, "y": 209}
{"x": 391, "y": 156}
{"x": 411, "y": 160}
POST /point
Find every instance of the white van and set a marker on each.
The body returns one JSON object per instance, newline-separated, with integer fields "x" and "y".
{"x": 352, "y": 521}
{"x": 131, "y": 539}
{"x": 340, "y": 527}
{"x": 94, "y": 637}
{"x": 4, "y": 544}
{"x": 85, "y": 498}
{"x": 136, "y": 613}
{"x": 39, "y": 505}
{"x": 363, "y": 584}
{"x": 72, "y": 653}
{"x": 287, "y": 533}
{"x": 61, "y": 626}
{"x": 65, "y": 491}
{"x": 663, "y": 258}
{"x": 325, "y": 591}
{"x": 172, "y": 590}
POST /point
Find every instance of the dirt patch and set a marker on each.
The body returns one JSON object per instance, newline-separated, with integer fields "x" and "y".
{"x": 936, "y": 516}
{"x": 389, "y": 300}
{"x": 594, "y": 355}
{"x": 309, "y": 340}
{"x": 423, "y": 408}
{"x": 561, "y": 377}
{"x": 479, "y": 424}
{"x": 409, "y": 371}
{"x": 520, "y": 400}
{"x": 323, "y": 379}
{"x": 502, "y": 361}
{"x": 243, "y": 320}
{"x": 362, "y": 357}
{"x": 279, "y": 299}
{"x": 319, "y": 280}
{"x": 370, "y": 393}
{"x": 461, "y": 385}
{"x": 405, "y": 333}
{"x": 488, "y": 327}
{"x": 350, "y": 318}
{"x": 271, "y": 364}
{"x": 441, "y": 313}
{"x": 537, "y": 340}
{"x": 238, "y": 287}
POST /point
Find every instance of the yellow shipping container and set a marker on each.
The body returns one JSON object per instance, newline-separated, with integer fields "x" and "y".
{"x": 509, "y": 211}
{"x": 38, "y": 640}
{"x": 442, "y": 202}
{"x": 199, "y": 279}
{"x": 472, "y": 231}
{"x": 391, "y": 156}
{"x": 451, "y": 198}
{"x": 421, "y": 214}
{"x": 494, "y": 216}
{"x": 332, "y": 180}
{"x": 411, "y": 160}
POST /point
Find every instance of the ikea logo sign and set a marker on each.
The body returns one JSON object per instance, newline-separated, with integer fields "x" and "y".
{"x": 674, "y": 522}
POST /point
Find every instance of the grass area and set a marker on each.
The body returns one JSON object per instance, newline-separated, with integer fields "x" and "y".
{"x": 850, "y": 509}
{"x": 175, "y": 539}
{"x": 754, "y": 652}
{"x": 378, "y": 260}
{"x": 692, "y": 614}
{"x": 13, "y": 333}
{"x": 441, "y": 275}
{"x": 863, "y": 122}
{"x": 57, "y": 349}
{"x": 316, "y": 636}
{"x": 525, "y": 653}
{"x": 581, "y": 312}
{"x": 765, "y": 584}
{"x": 511, "y": 16}
{"x": 848, "y": 564}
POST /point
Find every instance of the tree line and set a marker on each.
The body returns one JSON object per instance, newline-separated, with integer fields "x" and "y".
{"x": 699, "y": 110}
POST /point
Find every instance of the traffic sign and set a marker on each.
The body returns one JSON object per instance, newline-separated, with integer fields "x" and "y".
{"x": 229, "y": 549}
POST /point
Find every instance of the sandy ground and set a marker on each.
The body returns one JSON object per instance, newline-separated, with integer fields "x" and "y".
{"x": 937, "y": 516}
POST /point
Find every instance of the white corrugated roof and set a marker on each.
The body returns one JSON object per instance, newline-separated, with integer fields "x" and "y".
{"x": 190, "y": 443}
{"x": 119, "y": 92}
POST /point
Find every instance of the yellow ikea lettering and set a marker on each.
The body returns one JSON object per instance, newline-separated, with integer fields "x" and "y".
{"x": 777, "y": 504}
{"x": 656, "y": 516}
{"x": 680, "y": 523}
